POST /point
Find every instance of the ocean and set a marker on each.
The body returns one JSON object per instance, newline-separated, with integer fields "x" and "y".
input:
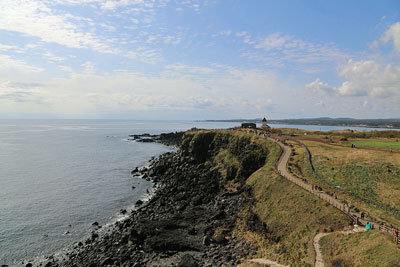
{"x": 57, "y": 177}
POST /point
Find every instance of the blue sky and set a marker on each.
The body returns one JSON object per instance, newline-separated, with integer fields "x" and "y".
{"x": 166, "y": 59}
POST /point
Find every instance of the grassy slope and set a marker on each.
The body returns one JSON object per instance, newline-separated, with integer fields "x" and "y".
{"x": 292, "y": 215}
{"x": 360, "y": 249}
{"x": 373, "y": 175}
{"x": 380, "y": 143}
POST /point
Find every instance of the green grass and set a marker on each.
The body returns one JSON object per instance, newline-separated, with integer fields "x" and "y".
{"x": 371, "y": 248}
{"x": 375, "y": 143}
{"x": 370, "y": 180}
{"x": 292, "y": 215}
{"x": 370, "y": 174}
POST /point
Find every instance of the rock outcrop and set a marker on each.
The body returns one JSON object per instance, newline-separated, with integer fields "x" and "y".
{"x": 189, "y": 220}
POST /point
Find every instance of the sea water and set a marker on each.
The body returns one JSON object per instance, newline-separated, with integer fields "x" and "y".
{"x": 57, "y": 177}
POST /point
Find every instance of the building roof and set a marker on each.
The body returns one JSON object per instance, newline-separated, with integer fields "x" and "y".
{"x": 264, "y": 119}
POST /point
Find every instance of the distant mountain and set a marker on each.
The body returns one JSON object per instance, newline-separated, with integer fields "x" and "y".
{"x": 372, "y": 123}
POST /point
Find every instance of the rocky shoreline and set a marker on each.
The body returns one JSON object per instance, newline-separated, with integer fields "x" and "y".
{"x": 188, "y": 221}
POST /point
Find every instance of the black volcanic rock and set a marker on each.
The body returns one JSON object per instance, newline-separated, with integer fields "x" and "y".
{"x": 181, "y": 224}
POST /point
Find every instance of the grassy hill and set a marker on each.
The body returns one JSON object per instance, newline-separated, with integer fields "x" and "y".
{"x": 281, "y": 219}
{"x": 371, "y": 248}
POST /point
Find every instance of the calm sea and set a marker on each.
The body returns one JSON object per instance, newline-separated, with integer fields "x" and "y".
{"x": 59, "y": 176}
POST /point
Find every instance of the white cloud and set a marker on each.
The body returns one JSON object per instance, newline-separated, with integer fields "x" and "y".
{"x": 282, "y": 48}
{"x": 9, "y": 65}
{"x": 89, "y": 67}
{"x": 190, "y": 88}
{"x": 4, "y": 48}
{"x": 274, "y": 41}
{"x": 19, "y": 92}
{"x": 65, "y": 68}
{"x": 320, "y": 87}
{"x": 110, "y": 4}
{"x": 36, "y": 19}
{"x": 136, "y": 21}
{"x": 364, "y": 78}
{"x": 392, "y": 34}
{"x": 226, "y": 32}
{"x": 240, "y": 34}
{"x": 150, "y": 56}
{"x": 184, "y": 68}
{"x": 53, "y": 58}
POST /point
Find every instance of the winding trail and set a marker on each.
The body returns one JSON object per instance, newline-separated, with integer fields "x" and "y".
{"x": 319, "y": 261}
{"x": 268, "y": 262}
{"x": 282, "y": 169}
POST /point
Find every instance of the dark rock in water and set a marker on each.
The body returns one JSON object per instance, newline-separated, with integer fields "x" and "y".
{"x": 146, "y": 140}
{"x": 95, "y": 224}
{"x": 94, "y": 236}
{"x": 188, "y": 222}
{"x": 133, "y": 187}
{"x": 123, "y": 211}
{"x": 28, "y": 265}
{"x": 80, "y": 244}
{"x": 136, "y": 170}
{"x": 169, "y": 139}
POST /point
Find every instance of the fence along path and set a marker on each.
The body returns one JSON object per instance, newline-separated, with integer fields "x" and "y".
{"x": 381, "y": 206}
{"x": 281, "y": 168}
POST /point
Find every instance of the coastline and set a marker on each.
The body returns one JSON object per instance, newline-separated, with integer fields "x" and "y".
{"x": 101, "y": 230}
{"x": 121, "y": 214}
{"x": 187, "y": 222}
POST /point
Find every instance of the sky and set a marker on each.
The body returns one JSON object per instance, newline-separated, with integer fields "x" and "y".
{"x": 189, "y": 59}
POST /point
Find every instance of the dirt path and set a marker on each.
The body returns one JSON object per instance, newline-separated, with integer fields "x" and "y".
{"x": 282, "y": 169}
{"x": 268, "y": 262}
{"x": 319, "y": 261}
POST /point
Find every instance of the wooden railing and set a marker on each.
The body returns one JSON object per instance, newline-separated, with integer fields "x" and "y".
{"x": 323, "y": 195}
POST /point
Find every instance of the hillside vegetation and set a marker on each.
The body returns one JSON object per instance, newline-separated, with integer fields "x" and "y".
{"x": 280, "y": 219}
{"x": 371, "y": 248}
